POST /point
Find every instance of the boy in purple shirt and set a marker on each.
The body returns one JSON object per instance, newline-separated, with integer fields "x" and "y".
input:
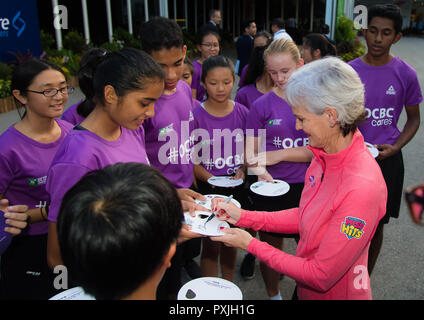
{"x": 168, "y": 133}
{"x": 390, "y": 85}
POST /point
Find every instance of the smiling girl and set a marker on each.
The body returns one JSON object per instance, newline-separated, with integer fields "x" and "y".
{"x": 28, "y": 148}
{"x": 272, "y": 113}
{"x": 208, "y": 46}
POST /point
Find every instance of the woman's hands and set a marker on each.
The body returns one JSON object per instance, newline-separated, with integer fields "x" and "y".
{"x": 234, "y": 237}
{"x": 226, "y": 211}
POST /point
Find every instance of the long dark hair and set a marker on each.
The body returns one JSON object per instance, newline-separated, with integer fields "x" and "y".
{"x": 89, "y": 61}
{"x": 256, "y": 66}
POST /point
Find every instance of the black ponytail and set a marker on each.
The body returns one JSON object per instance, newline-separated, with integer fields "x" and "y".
{"x": 89, "y": 62}
{"x": 126, "y": 70}
{"x": 318, "y": 41}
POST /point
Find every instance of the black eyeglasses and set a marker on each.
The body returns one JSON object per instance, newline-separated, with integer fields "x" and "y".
{"x": 52, "y": 92}
{"x": 211, "y": 45}
{"x": 415, "y": 200}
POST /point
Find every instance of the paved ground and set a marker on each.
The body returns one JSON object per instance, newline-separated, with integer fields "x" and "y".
{"x": 399, "y": 271}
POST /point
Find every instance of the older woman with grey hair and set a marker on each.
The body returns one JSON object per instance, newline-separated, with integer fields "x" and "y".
{"x": 344, "y": 195}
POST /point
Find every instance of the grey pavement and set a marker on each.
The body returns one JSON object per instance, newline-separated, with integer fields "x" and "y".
{"x": 399, "y": 272}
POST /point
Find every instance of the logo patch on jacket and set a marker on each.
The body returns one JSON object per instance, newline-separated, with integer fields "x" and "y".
{"x": 353, "y": 228}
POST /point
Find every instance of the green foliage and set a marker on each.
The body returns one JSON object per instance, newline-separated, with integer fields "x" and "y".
{"x": 75, "y": 42}
{"x": 127, "y": 38}
{"x": 5, "y": 71}
{"x": 358, "y": 50}
{"x": 67, "y": 60}
{"x": 47, "y": 41}
{"x": 190, "y": 42}
{"x": 4, "y": 88}
{"x": 345, "y": 31}
{"x": 349, "y": 47}
{"x": 113, "y": 46}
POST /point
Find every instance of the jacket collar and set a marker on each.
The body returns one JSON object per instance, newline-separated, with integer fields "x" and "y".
{"x": 335, "y": 160}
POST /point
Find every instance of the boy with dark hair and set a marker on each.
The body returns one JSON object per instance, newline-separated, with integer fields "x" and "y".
{"x": 277, "y": 28}
{"x": 168, "y": 133}
{"x": 118, "y": 229}
{"x": 390, "y": 85}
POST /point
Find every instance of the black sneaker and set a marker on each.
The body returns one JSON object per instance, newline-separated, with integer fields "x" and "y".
{"x": 247, "y": 268}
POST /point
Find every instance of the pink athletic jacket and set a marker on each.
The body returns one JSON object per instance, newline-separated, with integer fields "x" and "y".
{"x": 342, "y": 202}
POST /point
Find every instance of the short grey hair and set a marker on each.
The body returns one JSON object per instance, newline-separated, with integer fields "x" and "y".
{"x": 329, "y": 82}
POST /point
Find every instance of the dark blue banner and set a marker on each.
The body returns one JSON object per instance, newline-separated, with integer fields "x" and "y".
{"x": 19, "y": 30}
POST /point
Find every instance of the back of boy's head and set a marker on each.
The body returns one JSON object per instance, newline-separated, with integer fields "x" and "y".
{"x": 216, "y": 62}
{"x": 115, "y": 227}
{"x": 325, "y": 29}
{"x": 161, "y": 33}
{"x": 389, "y": 11}
{"x": 279, "y": 22}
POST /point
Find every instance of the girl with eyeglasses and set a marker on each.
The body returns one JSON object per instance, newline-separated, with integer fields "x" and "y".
{"x": 28, "y": 148}
{"x": 208, "y": 46}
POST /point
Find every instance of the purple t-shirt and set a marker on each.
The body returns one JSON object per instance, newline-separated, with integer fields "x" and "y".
{"x": 71, "y": 115}
{"x": 273, "y": 114}
{"x": 168, "y": 141}
{"x": 247, "y": 95}
{"x": 388, "y": 89}
{"x": 24, "y": 165}
{"x": 196, "y": 82}
{"x": 242, "y": 75}
{"x": 83, "y": 151}
{"x": 220, "y": 145}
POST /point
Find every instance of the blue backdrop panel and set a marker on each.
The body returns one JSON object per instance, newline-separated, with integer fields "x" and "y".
{"x": 19, "y": 30}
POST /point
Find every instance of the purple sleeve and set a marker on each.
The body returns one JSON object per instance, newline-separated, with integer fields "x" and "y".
{"x": 413, "y": 91}
{"x": 6, "y": 174}
{"x": 243, "y": 74}
{"x": 195, "y": 82}
{"x": 71, "y": 115}
{"x": 253, "y": 120}
{"x": 61, "y": 178}
{"x": 240, "y": 97}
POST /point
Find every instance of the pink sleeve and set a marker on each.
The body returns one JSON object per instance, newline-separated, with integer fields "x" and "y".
{"x": 285, "y": 221}
{"x": 336, "y": 252}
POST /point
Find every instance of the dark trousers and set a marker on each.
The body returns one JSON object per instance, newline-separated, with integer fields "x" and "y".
{"x": 24, "y": 270}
